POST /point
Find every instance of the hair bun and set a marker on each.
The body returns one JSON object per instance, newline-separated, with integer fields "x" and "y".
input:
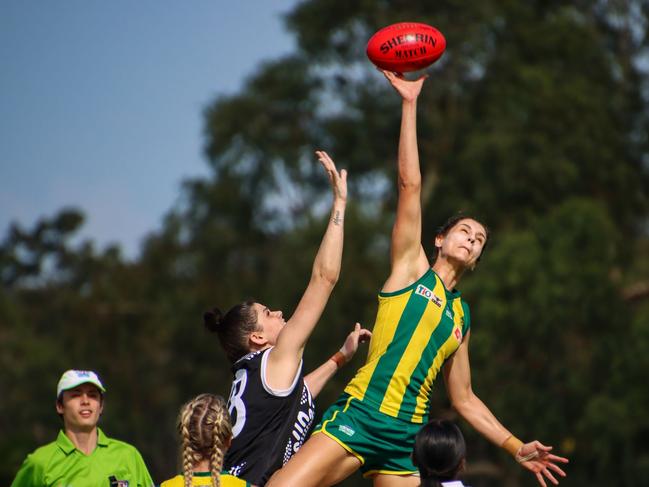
{"x": 212, "y": 319}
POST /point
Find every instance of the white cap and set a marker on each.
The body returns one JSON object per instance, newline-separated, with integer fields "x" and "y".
{"x": 72, "y": 378}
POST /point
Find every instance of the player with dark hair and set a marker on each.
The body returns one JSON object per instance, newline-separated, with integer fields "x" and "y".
{"x": 422, "y": 327}
{"x": 439, "y": 453}
{"x": 271, "y": 401}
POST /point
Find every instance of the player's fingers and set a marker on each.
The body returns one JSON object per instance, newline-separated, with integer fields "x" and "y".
{"x": 557, "y": 469}
{"x": 555, "y": 458}
{"x": 549, "y": 475}
{"x": 324, "y": 158}
{"x": 343, "y": 175}
{"x": 331, "y": 166}
{"x": 323, "y": 155}
{"x": 539, "y": 477}
{"x": 331, "y": 170}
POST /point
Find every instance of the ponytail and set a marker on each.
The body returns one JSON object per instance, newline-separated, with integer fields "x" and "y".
{"x": 233, "y": 328}
{"x": 439, "y": 452}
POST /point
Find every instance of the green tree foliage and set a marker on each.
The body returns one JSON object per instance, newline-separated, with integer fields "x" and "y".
{"x": 535, "y": 120}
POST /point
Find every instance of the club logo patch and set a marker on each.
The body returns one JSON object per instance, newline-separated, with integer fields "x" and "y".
{"x": 428, "y": 294}
{"x": 346, "y": 429}
{"x": 458, "y": 334}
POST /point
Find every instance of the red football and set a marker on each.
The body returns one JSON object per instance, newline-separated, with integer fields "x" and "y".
{"x": 405, "y": 46}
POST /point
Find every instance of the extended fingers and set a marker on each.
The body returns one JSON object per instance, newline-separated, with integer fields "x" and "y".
{"x": 325, "y": 160}
{"x": 557, "y": 469}
{"x": 330, "y": 166}
{"x": 555, "y": 458}
{"x": 549, "y": 475}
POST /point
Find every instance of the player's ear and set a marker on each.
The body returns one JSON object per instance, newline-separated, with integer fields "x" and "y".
{"x": 438, "y": 241}
{"x": 257, "y": 338}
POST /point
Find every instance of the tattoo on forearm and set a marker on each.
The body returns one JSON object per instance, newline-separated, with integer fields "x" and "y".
{"x": 337, "y": 220}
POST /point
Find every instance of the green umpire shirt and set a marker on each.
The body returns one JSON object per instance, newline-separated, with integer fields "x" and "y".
{"x": 60, "y": 464}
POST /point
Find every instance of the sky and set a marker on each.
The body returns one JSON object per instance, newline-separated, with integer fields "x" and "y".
{"x": 101, "y": 103}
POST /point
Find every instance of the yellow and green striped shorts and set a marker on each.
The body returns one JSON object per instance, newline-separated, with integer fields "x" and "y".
{"x": 382, "y": 443}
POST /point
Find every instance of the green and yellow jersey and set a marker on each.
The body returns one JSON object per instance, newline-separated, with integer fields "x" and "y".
{"x": 205, "y": 478}
{"x": 416, "y": 330}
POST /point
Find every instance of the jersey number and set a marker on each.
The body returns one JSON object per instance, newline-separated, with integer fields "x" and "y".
{"x": 235, "y": 403}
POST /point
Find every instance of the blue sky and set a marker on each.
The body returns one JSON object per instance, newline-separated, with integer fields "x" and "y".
{"x": 101, "y": 103}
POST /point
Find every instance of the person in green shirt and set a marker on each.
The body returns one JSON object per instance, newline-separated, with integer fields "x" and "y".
{"x": 82, "y": 455}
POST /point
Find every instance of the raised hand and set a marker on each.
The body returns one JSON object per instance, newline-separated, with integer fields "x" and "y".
{"x": 537, "y": 458}
{"x": 359, "y": 335}
{"x": 409, "y": 90}
{"x": 337, "y": 179}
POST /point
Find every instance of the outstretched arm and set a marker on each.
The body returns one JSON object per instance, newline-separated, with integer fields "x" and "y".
{"x": 407, "y": 257}
{"x": 534, "y": 456}
{"x": 284, "y": 359}
{"x": 320, "y": 376}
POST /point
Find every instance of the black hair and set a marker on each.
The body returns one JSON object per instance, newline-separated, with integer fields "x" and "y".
{"x": 439, "y": 452}
{"x": 233, "y": 328}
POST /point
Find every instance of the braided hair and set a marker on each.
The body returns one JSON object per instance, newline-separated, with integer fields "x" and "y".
{"x": 205, "y": 429}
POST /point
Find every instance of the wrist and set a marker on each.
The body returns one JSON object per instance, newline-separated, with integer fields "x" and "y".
{"x": 339, "y": 359}
{"x": 512, "y": 445}
{"x": 520, "y": 458}
{"x": 409, "y": 103}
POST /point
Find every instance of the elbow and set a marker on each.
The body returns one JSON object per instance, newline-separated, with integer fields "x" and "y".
{"x": 327, "y": 278}
{"x": 410, "y": 184}
{"x": 462, "y": 403}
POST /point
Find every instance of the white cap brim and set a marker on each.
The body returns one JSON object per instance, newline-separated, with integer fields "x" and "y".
{"x": 73, "y": 378}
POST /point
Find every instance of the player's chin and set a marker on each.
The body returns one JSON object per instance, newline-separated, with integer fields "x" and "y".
{"x": 463, "y": 260}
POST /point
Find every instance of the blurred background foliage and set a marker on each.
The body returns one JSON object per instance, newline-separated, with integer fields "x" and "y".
{"x": 535, "y": 120}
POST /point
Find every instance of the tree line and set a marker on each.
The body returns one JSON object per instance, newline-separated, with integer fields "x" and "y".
{"x": 535, "y": 120}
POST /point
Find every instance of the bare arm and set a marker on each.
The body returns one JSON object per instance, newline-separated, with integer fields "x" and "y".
{"x": 284, "y": 359}
{"x": 317, "y": 379}
{"x": 457, "y": 375}
{"x": 408, "y": 260}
